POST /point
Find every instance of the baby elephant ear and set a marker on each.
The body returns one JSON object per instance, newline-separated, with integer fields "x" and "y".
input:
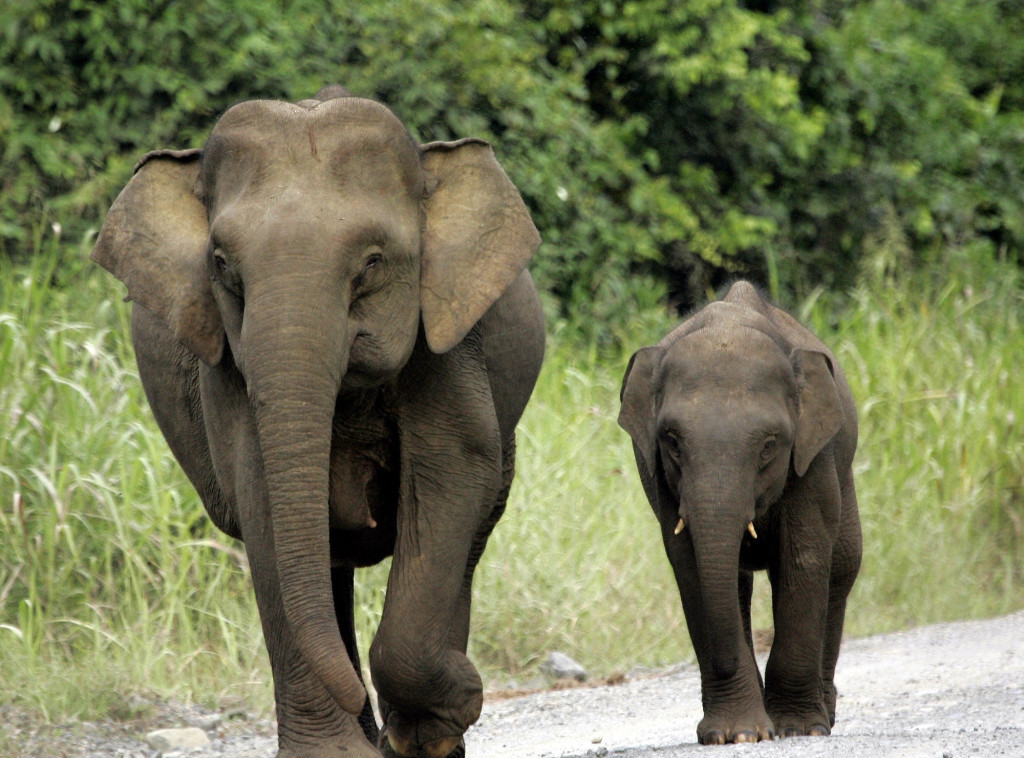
{"x": 477, "y": 240}
{"x": 820, "y": 412}
{"x": 154, "y": 240}
{"x": 636, "y": 415}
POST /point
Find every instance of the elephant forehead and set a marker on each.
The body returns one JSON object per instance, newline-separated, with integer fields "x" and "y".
{"x": 302, "y": 214}
{"x": 731, "y": 360}
{"x": 725, "y": 315}
{"x": 344, "y": 145}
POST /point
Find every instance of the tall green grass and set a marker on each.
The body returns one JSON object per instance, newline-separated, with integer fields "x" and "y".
{"x": 113, "y": 583}
{"x": 936, "y": 361}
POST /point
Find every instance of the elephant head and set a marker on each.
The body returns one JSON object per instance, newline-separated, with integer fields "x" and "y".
{"x": 308, "y": 246}
{"x": 722, "y": 412}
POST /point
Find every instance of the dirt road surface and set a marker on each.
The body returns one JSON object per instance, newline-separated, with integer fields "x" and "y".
{"x": 947, "y": 690}
{"x": 944, "y": 691}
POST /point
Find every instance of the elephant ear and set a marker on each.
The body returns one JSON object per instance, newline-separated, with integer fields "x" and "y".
{"x": 820, "y": 412}
{"x": 478, "y": 238}
{"x": 636, "y": 414}
{"x": 154, "y": 240}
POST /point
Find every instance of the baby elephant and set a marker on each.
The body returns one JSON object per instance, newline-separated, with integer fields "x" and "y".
{"x": 744, "y": 430}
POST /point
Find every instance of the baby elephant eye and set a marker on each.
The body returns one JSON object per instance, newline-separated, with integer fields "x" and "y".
{"x": 671, "y": 441}
{"x": 220, "y": 261}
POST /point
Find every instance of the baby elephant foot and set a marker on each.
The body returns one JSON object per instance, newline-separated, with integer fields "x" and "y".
{"x": 815, "y": 730}
{"x": 401, "y": 738}
{"x": 807, "y": 724}
{"x": 723, "y": 729}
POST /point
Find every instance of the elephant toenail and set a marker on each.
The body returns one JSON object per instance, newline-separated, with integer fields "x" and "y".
{"x": 714, "y": 737}
{"x": 441, "y": 747}
{"x": 400, "y": 745}
{"x": 745, "y": 736}
{"x": 818, "y": 731}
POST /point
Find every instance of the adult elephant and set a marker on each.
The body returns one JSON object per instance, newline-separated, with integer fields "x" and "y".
{"x": 337, "y": 336}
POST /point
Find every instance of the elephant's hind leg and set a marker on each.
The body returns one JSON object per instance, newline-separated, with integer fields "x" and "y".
{"x": 170, "y": 377}
{"x": 846, "y": 558}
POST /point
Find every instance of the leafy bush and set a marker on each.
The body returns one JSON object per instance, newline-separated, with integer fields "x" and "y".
{"x": 924, "y": 142}
{"x": 661, "y": 146}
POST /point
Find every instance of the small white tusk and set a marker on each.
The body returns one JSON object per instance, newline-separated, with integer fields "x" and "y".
{"x": 750, "y": 528}
{"x": 679, "y": 527}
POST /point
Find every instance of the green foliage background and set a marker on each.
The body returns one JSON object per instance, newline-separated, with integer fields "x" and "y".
{"x": 660, "y": 145}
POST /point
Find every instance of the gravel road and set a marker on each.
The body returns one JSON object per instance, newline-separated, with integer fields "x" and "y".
{"x": 945, "y": 690}
{"x": 949, "y": 690}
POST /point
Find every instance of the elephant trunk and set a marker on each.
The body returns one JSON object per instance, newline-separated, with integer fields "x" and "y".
{"x": 716, "y": 529}
{"x": 295, "y": 361}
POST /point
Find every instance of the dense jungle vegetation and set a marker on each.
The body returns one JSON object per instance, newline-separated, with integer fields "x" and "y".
{"x": 861, "y": 159}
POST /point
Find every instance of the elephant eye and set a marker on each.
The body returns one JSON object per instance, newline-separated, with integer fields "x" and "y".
{"x": 372, "y": 262}
{"x": 672, "y": 443}
{"x": 365, "y": 281}
{"x": 768, "y": 450}
{"x": 224, "y": 274}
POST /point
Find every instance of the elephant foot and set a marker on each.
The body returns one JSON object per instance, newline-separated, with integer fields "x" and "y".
{"x": 360, "y": 749}
{"x": 801, "y": 728}
{"x": 399, "y": 743}
{"x": 726, "y": 728}
{"x": 349, "y": 737}
{"x": 812, "y": 723}
{"x": 801, "y": 712}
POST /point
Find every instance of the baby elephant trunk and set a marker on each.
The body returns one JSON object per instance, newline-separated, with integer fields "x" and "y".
{"x": 716, "y": 532}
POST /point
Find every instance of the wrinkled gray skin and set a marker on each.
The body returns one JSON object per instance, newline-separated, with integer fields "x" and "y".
{"x": 337, "y": 336}
{"x": 741, "y": 416}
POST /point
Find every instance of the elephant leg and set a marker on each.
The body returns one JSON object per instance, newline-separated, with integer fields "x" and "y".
{"x": 451, "y": 477}
{"x": 846, "y": 557}
{"x": 310, "y": 722}
{"x": 170, "y": 377}
{"x": 458, "y": 638}
{"x": 800, "y": 578}
{"x": 430, "y": 691}
{"x": 342, "y": 579}
{"x": 733, "y": 708}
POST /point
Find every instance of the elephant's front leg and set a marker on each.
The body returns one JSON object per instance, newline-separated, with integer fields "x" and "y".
{"x": 450, "y": 480}
{"x": 800, "y": 578}
{"x": 431, "y": 690}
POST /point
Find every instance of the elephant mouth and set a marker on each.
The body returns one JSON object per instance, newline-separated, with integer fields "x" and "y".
{"x": 368, "y": 363}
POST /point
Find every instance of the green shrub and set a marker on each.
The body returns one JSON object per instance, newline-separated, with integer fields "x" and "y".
{"x": 661, "y": 146}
